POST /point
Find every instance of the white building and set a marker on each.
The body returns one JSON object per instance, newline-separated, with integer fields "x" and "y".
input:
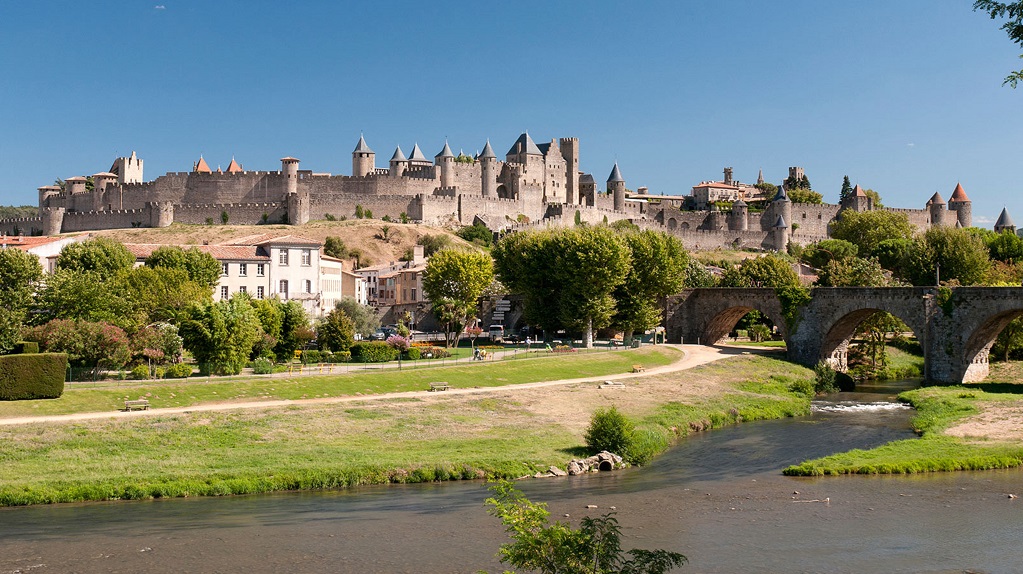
{"x": 45, "y": 247}
{"x": 338, "y": 280}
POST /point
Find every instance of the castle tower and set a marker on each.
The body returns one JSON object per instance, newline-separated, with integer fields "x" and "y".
{"x": 1004, "y": 222}
{"x": 363, "y": 159}
{"x": 161, "y": 213}
{"x": 488, "y": 171}
{"x": 446, "y": 161}
{"x": 417, "y": 159}
{"x": 728, "y": 176}
{"x": 796, "y": 173}
{"x": 398, "y": 163}
{"x": 616, "y": 186}
{"x": 858, "y": 200}
{"x": 74, "y": 185}
{"x": 738, "y": 220}
{"x": 53, "y": 220}
{"x": 45, "y": 193}
{"x": 962, "y": 205}
{"x": 570, "y": 151}
{"x": 936, "y": 209}
{"x": 289, "y": 168}
{"x": 128, "y": 169}
{"x": 234, "y": 167}
{"x": 780, "y": 234}
{"x": 100, "y": 182}
{"x": 781, "y": 206}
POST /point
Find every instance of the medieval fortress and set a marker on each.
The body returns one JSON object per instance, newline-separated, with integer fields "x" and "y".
{"x": 535, "y": 186}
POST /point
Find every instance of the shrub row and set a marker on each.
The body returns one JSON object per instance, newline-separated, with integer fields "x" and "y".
{"x": 373, "y": 352}
{"x": 34, "y": 376}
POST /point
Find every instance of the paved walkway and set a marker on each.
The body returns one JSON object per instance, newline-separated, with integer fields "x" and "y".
{"x": 694, "y": 355}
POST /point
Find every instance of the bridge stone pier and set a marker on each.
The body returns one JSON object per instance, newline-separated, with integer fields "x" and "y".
{"x": 956, "y": 333}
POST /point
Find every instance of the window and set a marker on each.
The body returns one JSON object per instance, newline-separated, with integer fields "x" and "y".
{"x": 243, "y": 270}
{"x": 283, "y": 288}
{"x": 242, "y": 289}
{"x": 307, "y": 257}
{"x": 223, "y": 269}
{"x": 413, "y": 294}
{"x": 308, "y": 286}
{"x": 259, "y": 292}
{"x": 223, "y": 292}
{"x": 261, "y": 269}
{"x": 284, "y": 257}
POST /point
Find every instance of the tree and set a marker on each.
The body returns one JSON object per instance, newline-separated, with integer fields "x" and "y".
{"x": 799, "y": 195}
{"x": 336, "y": 332}
{"x": 658, "y": 266}
{"x": 85, "y": 295}
{"x": 220, "y": 335}
{"x": 948, "y": 254}
{"x": 557, "y": 548}
{"x": 1006, "y": 246}
{"x": 1013, "y": 26}
{"x": 454, "y": 280}
{"x": 768, "y": 189}
{"x": 334, "y": 246}
{"x": 151, "y": 295}
{"x": 103, "y": 256}
{"x": 875, "y": 198}
{"x": 87, "y": 343}
{"x": 201, "y": 267}
{"x": 363, "y": 317}
{"x": 1010, "y": 340}
{"x": 819, "y": 254}
{"x": 771, "y": 271}
{"x": 792, "y": 183}
{"x": 19, "y": 274}
{"x": 852, "y": 272}
{"x": 433, "y": 243}
{"x": 867, "y": 229}
{"x": 476, "y": 233}
{"x": 891, "y": 252}
{"x": 876, "y": 330}
{"x": 847, "y": 190}
{"x": 295, "y": 330}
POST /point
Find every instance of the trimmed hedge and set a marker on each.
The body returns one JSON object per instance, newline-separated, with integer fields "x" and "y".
{"x": 26, "y": 347}
{"x": 35, "y": 376}
{"x": 373, "y": 352}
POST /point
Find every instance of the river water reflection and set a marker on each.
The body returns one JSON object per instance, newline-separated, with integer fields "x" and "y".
{"x": 719, "y": 498}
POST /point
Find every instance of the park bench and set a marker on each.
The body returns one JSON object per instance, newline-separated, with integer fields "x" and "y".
{"x": 140, "y": 404}
{"x": 638, "y": 368}
{"x": 441, "y": 386}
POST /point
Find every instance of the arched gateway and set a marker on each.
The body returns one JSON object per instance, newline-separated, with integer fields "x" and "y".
{"x": 956, "y": 331}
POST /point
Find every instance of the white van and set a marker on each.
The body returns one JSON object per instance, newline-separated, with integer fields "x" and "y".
{"x": 497, "y": 333}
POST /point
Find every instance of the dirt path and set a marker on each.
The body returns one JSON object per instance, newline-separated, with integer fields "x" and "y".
{"x": 694, "y": 355}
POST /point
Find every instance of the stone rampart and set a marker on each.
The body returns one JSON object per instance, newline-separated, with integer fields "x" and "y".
{"x": 22, "y": 226}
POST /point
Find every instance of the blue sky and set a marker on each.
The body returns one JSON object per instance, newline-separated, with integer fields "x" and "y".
{"x": 904, "y": 97}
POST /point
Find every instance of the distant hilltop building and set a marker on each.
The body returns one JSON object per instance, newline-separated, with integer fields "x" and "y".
{"x": 536, "y": 185}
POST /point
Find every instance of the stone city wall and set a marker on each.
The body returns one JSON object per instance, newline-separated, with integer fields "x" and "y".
{"x": 22, "y": 226}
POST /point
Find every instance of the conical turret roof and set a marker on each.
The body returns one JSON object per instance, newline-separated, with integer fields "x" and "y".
{"x": 780, "y": 222}
{"x": 202, "y": 167}
{"x": 936, "y": 199}
{"x": 524, "y": 144}
{"x": 858, "y": 191}
{"x": 1004, "y": 220}
{"x": 446, "y": 152}
{"x": 398, "y": 155}
{"x": 781, "y": 195}
{"x": 616, "y": 175}
{"x": 362, "y": 147}
{"x": 959, "y": 194}
{"x": 417, "y": 154}
{"x": 488, "y": 151}
{"x": 739, "y": 203}
{"x": 234, "y": 167}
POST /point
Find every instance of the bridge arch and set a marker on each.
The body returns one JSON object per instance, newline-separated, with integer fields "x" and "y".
{"x": 979, "y": 340}
{"x": 835, "y": 340}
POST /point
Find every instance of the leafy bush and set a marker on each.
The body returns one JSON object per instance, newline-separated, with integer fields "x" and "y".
{"x": 413, "y": 354}
{"x": 34, "y": 376}
{"x": 312, "y": 357}
{"x": 373, "y": 352}
{"x": 139, "y": 372}
{"x": 612, "y": 431}
{"x": 825, "y": 378}
{"x": 178, "y": 371}
{"x": 431, "y": 352}
{"x": 759, "y": 332}
{"x": 26, "y": 347}
{"x": 646, "y": 444}
{"x": 263, "y": 366}
{"x": 805, "y": 387}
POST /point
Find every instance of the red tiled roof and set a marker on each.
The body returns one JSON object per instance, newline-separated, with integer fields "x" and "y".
{"x": 219, "y": 252}
{"x": 959, "y": 194}
{"x": 858, "y": 191}
{"x": 202, "y": 166}
{"x": 234, "y": 167}
{"x": 270, "y": 239}
{"x": 26, "y": 242}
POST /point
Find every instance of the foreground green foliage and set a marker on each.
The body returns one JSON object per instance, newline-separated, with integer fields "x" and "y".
{"x": 938, "y": 409}
{"x": 34, "y": 376}
{"x": 610, "y": 430}
{"x": 556, "y": 548}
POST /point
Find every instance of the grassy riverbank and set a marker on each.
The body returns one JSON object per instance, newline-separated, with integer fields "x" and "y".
{"x": 525, "y": 368}
{"x": 941, "y": 410}
{"x": 500, "y": 433}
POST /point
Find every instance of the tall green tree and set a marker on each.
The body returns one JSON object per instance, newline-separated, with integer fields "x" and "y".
{"x": 1013, "y": 26}
{"x": 1006, "y": 247}
{"x": 84, "y": 295}
{"x": 20, "y": 273}
{"x": 220, "y": 335}
{"x": 454, "y": 280}
{"x": 846, "y": 191}
{"x": 363, "y": 317}
{"x": 800, "y": 195}
{"x": 295, "y": 331}
{"x": 769, "y": 271}
{"x": 201, "y": 267}
{"x": 102, "y": 256}
{"x": 336, "y": 331}
{"x": 658, "y": 269}
{"x": 852, "y": 272}
{"x": 820, "y": 253}
{"x": 867, "y": 229}
{"x": 948, "y": 254}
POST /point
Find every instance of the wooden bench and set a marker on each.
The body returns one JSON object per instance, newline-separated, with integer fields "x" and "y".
{"x": 439, "y": 386}
{"x": 141, "y": 405}
{"x": 638, "y": 368}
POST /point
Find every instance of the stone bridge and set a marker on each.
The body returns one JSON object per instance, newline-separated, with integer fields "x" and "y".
{"x": 956, "y": 335}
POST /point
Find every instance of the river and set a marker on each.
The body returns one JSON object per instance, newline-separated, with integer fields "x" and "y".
{"x": 718, "y": 497}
